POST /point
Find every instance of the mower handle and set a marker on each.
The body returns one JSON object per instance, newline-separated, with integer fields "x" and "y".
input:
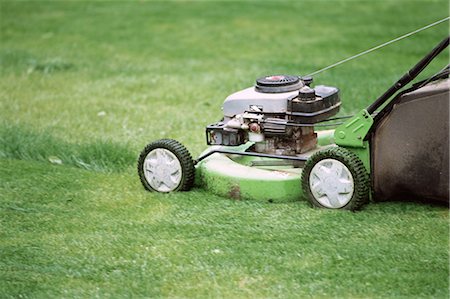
{"x": 410, "y": 75}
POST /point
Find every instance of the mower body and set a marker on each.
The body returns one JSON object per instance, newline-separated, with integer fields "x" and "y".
{"x": 404, "y": 149}
{"x": 266, "y": 146}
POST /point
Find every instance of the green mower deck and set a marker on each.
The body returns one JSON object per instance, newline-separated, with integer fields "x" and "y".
{"x": 234, "y": 176}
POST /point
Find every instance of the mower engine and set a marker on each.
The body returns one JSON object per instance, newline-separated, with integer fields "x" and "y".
{"x": 277, "y": 114}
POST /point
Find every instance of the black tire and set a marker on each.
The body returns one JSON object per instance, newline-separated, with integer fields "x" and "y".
{"x": 361, "y": 184}
{"x": 179, "y": 153}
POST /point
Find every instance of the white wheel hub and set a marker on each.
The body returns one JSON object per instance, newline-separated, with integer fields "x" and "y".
{"x": 162, "y": 170}
{"x": 331, "y": 183}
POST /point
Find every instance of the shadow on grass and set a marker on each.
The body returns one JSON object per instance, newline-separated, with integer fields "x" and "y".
{"x": 17, "y": 142}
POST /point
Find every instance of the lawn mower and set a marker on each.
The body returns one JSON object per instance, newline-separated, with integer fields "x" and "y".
{"x": 266, "y": 146}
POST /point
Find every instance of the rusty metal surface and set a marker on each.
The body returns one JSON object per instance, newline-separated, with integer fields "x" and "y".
{"x": 410, "y": 147}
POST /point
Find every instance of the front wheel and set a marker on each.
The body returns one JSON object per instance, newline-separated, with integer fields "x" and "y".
{"x": 165, "y": 165}
{"x": 335, "y": 178}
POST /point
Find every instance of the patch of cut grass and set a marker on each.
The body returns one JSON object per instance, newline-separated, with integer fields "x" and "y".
{"x": 16, "y": 142}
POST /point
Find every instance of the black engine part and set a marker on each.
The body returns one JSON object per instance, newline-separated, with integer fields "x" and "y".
{"x": 278, "y": 84}
{"x": 306, "y": 108}
{"x": 217, "y": 134}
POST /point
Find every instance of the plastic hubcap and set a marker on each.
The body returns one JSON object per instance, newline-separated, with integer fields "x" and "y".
{"x": 331, "y": 183}
{"x": 162, "y": 170}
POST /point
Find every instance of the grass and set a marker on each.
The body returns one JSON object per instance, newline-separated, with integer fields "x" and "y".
{"x": 23, "y": 144}
{"x": 85, "y": 85}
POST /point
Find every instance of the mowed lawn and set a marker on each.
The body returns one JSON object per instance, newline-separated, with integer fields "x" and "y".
{"x": 84, "y": 86}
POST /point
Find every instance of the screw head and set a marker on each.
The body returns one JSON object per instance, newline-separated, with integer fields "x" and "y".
{"x": 341, "y": 134}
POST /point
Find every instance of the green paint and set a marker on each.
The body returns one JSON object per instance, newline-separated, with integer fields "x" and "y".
{"x": 351, "y": 135}
{"x": 352, "y": 132}
{"x": 233, "y": 178}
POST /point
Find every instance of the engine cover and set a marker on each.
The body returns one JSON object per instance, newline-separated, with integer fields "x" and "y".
{"x": 250, "y": 99}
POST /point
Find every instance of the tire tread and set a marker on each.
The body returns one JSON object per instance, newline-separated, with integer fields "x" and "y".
{"x": 183, "y": 155}
{"x": 354, "y": 164}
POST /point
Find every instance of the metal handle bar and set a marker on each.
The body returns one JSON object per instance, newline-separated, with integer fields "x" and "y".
{"x": 410, "y": 75}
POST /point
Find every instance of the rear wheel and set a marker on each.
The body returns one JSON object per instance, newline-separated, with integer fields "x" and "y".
{"x": 335, "y": 178}
{"x": 165, "y": 165}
